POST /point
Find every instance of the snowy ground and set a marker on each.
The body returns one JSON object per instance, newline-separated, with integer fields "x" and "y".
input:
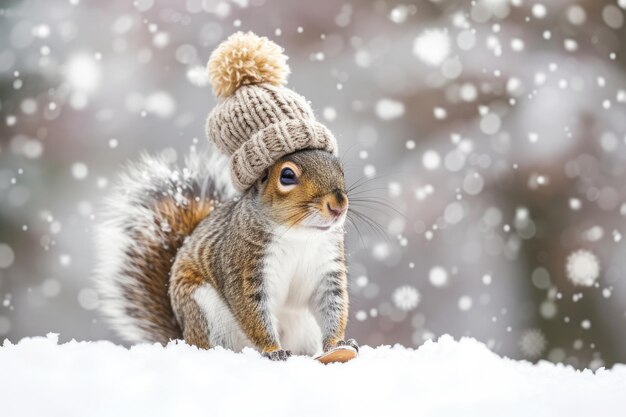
{"x": 39, "y": 377}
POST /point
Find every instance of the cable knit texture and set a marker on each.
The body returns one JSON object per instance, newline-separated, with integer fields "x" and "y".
{"x": 257, "y": 120}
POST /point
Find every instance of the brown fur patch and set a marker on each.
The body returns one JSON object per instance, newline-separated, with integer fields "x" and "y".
{"x": 185, "y": 280}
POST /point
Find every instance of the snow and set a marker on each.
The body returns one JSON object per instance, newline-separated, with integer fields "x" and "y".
{"x": 7, "y": 256}
{"x": 406, "y": 297}
{"x": 83, "y": 73}
{"x": 438, "y": 276}
{"x": 387, "y": 109}
{"x": 432, "y": 46}
{"x": 197, "y": 76}
{"x": 583, "y": 268}
{"x": 431, "y": 160}
{"x": 443, "y": 378}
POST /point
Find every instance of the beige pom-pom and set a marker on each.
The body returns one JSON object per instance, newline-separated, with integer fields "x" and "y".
{"x": 245, "y": 58}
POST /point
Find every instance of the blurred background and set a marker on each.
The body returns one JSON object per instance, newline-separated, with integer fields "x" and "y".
{"x": 495, "y": 130}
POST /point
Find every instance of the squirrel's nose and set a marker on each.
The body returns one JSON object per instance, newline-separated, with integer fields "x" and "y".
{"x": 336, "y": 203}
{"x": 334, "y": 210}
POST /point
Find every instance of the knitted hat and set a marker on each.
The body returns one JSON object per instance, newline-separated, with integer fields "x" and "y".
{"x": 257, "y": 119}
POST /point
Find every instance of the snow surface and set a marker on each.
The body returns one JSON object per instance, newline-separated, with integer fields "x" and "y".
{"x": 39, "y": 377}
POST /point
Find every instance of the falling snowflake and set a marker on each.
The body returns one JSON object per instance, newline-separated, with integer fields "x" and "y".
{"x": 83, "y": 73}
{"x": 387, "y": 109}
{"x": 161, "y": 104}
{"x": 583, "y": 268}
{"x": 80, "y": 170}
{"x": 65, "y": 260}
{"x": 432, "y": 46}
{"x": 465, "y": 303}
{"x": 431, "y": 160}
{"x": 406, "y": 298}
{"x": 198, "y": 76}
{"x": 438, "y": 276}
{"x": 7, "y": 256}
{"x": 532, "y": 343}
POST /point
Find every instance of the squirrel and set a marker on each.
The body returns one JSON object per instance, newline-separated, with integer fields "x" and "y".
{"x": 251, "y": 259}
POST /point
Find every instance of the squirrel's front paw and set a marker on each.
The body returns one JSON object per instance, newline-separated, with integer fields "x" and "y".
{"x": 277, "y": 355}
{"x": 350, "y": 342}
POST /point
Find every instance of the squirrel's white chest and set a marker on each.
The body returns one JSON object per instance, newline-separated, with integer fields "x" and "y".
{"x": 294, "y": 270}
{"x": 295, "y": 266}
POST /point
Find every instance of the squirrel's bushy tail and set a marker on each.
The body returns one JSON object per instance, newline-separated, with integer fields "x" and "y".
{"x": 153, "y": 208}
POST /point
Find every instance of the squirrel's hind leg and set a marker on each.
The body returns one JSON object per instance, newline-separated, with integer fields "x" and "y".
{"x": 223, "y": 328}
{"x": 191, "y": 318}
{"x": 196, "y": 334}
{"x": 205, "y": 319}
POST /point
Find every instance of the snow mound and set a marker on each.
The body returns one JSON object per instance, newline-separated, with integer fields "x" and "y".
{"x": 39, "y": 377}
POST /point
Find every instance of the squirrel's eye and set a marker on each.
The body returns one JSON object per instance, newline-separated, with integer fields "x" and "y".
{"x": 288, "y": 177}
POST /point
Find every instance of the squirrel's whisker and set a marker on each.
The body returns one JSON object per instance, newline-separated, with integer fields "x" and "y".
{"x": 371, "y": 223}
{"x": 369, "y": 190}
{"x": 378, "y": 205}
{"x": 358, "y": 231}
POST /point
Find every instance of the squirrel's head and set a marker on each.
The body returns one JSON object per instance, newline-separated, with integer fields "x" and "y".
{"x": 305, "y": 189}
